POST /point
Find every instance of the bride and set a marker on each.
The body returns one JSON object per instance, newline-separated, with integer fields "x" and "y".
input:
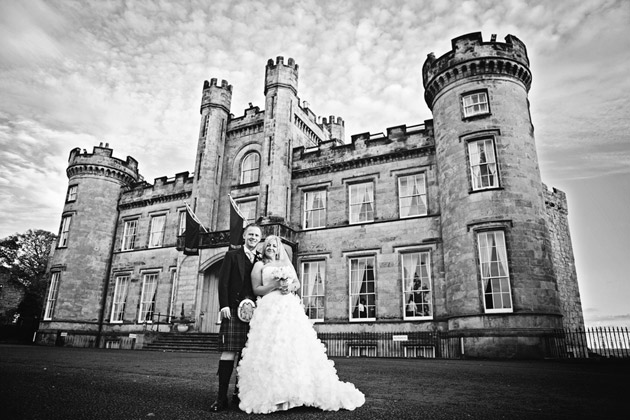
{"x": 284, "y": 364}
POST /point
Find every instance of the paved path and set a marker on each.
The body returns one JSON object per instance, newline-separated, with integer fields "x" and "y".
{"x": 67, "y": 383}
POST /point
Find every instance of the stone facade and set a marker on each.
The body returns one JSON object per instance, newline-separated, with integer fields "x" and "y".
{"x": 444, "y": 226}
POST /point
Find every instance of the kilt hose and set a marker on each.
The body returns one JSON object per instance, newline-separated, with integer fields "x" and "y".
{"x": 233, "y": 333}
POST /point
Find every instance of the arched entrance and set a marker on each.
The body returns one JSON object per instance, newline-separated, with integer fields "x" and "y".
{"x": 210, "y": 299}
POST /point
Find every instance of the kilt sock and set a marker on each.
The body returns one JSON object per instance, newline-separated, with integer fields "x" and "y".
{"x": 224, "y": 372}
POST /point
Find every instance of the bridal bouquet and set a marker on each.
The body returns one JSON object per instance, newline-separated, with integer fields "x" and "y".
{"x": 284, "y": 274}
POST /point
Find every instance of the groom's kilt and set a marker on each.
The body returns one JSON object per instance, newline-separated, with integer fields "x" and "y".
{"x": 233, "y": 333}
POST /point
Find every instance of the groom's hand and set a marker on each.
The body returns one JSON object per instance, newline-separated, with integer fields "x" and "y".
{"x": 225, "y": 313}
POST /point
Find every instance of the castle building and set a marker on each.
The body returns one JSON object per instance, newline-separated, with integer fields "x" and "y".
{"x": 441, "y": 227}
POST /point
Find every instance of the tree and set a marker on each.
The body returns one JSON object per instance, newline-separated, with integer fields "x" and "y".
{"x": 24, "y": 258}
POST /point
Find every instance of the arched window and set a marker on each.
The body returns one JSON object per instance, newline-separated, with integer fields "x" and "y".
{"x": 250, "y": 168}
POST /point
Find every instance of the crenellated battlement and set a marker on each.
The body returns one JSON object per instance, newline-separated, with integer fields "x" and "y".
{"x": 470, "y": 57}
{"x": 163, "y": 189}
{"x": 215, "y": 95}
{"x": 555, "y": 199}
{"x": 280, "y": 75}
{"x": 364, "y": 148}
{"x": 101, "y": 163}
{"x": 333, "y": 120}
{"x": 213, "y": 82}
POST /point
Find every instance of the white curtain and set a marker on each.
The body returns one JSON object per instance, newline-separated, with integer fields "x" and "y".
{"x": 358, "y": 280}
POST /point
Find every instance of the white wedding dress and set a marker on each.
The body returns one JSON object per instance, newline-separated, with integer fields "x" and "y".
{"x": 284, "y": 364}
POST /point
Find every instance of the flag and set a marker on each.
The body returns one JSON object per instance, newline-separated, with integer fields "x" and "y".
{"x": 191, "y": 234}
{"x": 236, "y": 224}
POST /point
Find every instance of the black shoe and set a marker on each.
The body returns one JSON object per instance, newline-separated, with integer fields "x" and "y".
{"x": 218, "y": 406}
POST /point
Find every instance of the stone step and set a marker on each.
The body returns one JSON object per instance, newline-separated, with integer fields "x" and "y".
{"x": 186, "y": 342}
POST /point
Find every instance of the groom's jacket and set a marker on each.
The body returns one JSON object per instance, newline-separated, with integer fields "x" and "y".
{"x": 235, "y": 281}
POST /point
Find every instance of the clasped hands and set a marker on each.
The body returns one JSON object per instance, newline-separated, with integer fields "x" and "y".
{"x": 284, "y": 286}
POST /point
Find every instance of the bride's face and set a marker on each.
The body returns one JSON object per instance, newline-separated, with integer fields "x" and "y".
{"x": 271, "y": 250}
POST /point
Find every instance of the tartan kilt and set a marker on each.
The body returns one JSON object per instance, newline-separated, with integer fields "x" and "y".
{"x": 233, "y": 333}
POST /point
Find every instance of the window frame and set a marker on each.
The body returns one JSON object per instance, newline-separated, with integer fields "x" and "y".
{"x": 422, "y": 196}
{"x": 147, "y": 306}
{"x": 240, "y": 201}
{"x": 51, "y": 296}
{"x": 64, "y": 231}
{"x": 309, "y": 211}
{"x": 406, "y": 295}
{"x": 466, "y": 112}
{"x": 489, "y": 165}
{"x": 124, "y": 245}
{"x": 119, "y": 302}
{"x": 181, "y": 222}
{"x": 318, "y": 293}
{"x": 352, "y": 205}
{"x": 482, "y": 256}
{"x": 244, "y": 172}
{"x": 153, "y": 233}
{"x": 370, "y": 304}
{"x": 71, "y": 195}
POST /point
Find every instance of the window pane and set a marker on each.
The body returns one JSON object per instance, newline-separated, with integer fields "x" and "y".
{"x": 182, "y": 223}
{"x": 119, "y": 299}
{"x": 157, "y": 231}
{"x": 362, "y": 288}
{"x": 72, "y": 193}
{"x": 416, "y": 282}
{"x": 313, "y": 281}
{"x": 361, "y": 203}
{"x": 475, "y": 104}
{"x": 250, "y": 168}
{"x": 314, "y": 209}
{"x": 65, "y": 228}
{"x": 413, "y": 198}
{"x": 52, "y": 295}
{"x": 248, "y": 210}
{"x": 483, "y": 166}
{"x": 147, "y": 301}
{"x": 129, "y": 235}
{"x": 494, "y": 271}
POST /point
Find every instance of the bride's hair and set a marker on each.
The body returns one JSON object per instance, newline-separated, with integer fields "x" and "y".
{"x": 279, "y": 246}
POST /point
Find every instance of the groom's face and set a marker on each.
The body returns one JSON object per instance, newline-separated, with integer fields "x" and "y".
{"x": 252, "y": 236}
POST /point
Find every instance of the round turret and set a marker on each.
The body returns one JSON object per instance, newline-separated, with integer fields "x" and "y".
{"x": 214, "y": 95}
{"x": 88, "y": 228}
{"x": 496, "y": 249}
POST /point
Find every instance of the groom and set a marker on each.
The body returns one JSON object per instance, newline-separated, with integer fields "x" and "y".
{"x": 235, "y": 284}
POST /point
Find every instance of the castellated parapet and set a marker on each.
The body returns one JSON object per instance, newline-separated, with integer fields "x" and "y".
{"x": 471, "y": 57}
{"x": 100, "y": 162}
{"x": 278, "y": 74}
{"x": 214, "y": 95}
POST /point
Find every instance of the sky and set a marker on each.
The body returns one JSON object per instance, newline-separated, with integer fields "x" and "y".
{"x": 130, "y": 73}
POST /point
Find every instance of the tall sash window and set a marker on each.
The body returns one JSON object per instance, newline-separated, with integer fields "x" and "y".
{"x": 148, "y": 297}
{"x": 495, "y": 275}
{"x": 362, "y": 202}
{"x": 418, "y": 302}
{"x": 120, "y": 298}
{"x": 313, "y": 292}
{"x": 483, "y": 165}
{"x": 156, "y": 236}
{"x": 51, "y": 298}
{"x": 412, "y": 195}
{"x": 314, "y": 209}
{"x": 362, "y": 289}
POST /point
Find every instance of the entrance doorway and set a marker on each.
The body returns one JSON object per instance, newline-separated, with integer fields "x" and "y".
{"x": 210, "y": 299}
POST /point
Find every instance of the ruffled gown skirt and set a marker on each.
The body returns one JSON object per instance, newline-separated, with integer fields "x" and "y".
{"x": 284, "y": 364}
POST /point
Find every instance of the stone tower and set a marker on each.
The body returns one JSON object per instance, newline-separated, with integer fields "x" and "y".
{"x": 215, "y": 110}
{"x": 491, "y": 193}
{"x": 90, "y": 218}
{"x": 281, "y": 84}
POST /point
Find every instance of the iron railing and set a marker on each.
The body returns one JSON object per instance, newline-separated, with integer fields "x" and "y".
{"x": 601, "y": 342}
